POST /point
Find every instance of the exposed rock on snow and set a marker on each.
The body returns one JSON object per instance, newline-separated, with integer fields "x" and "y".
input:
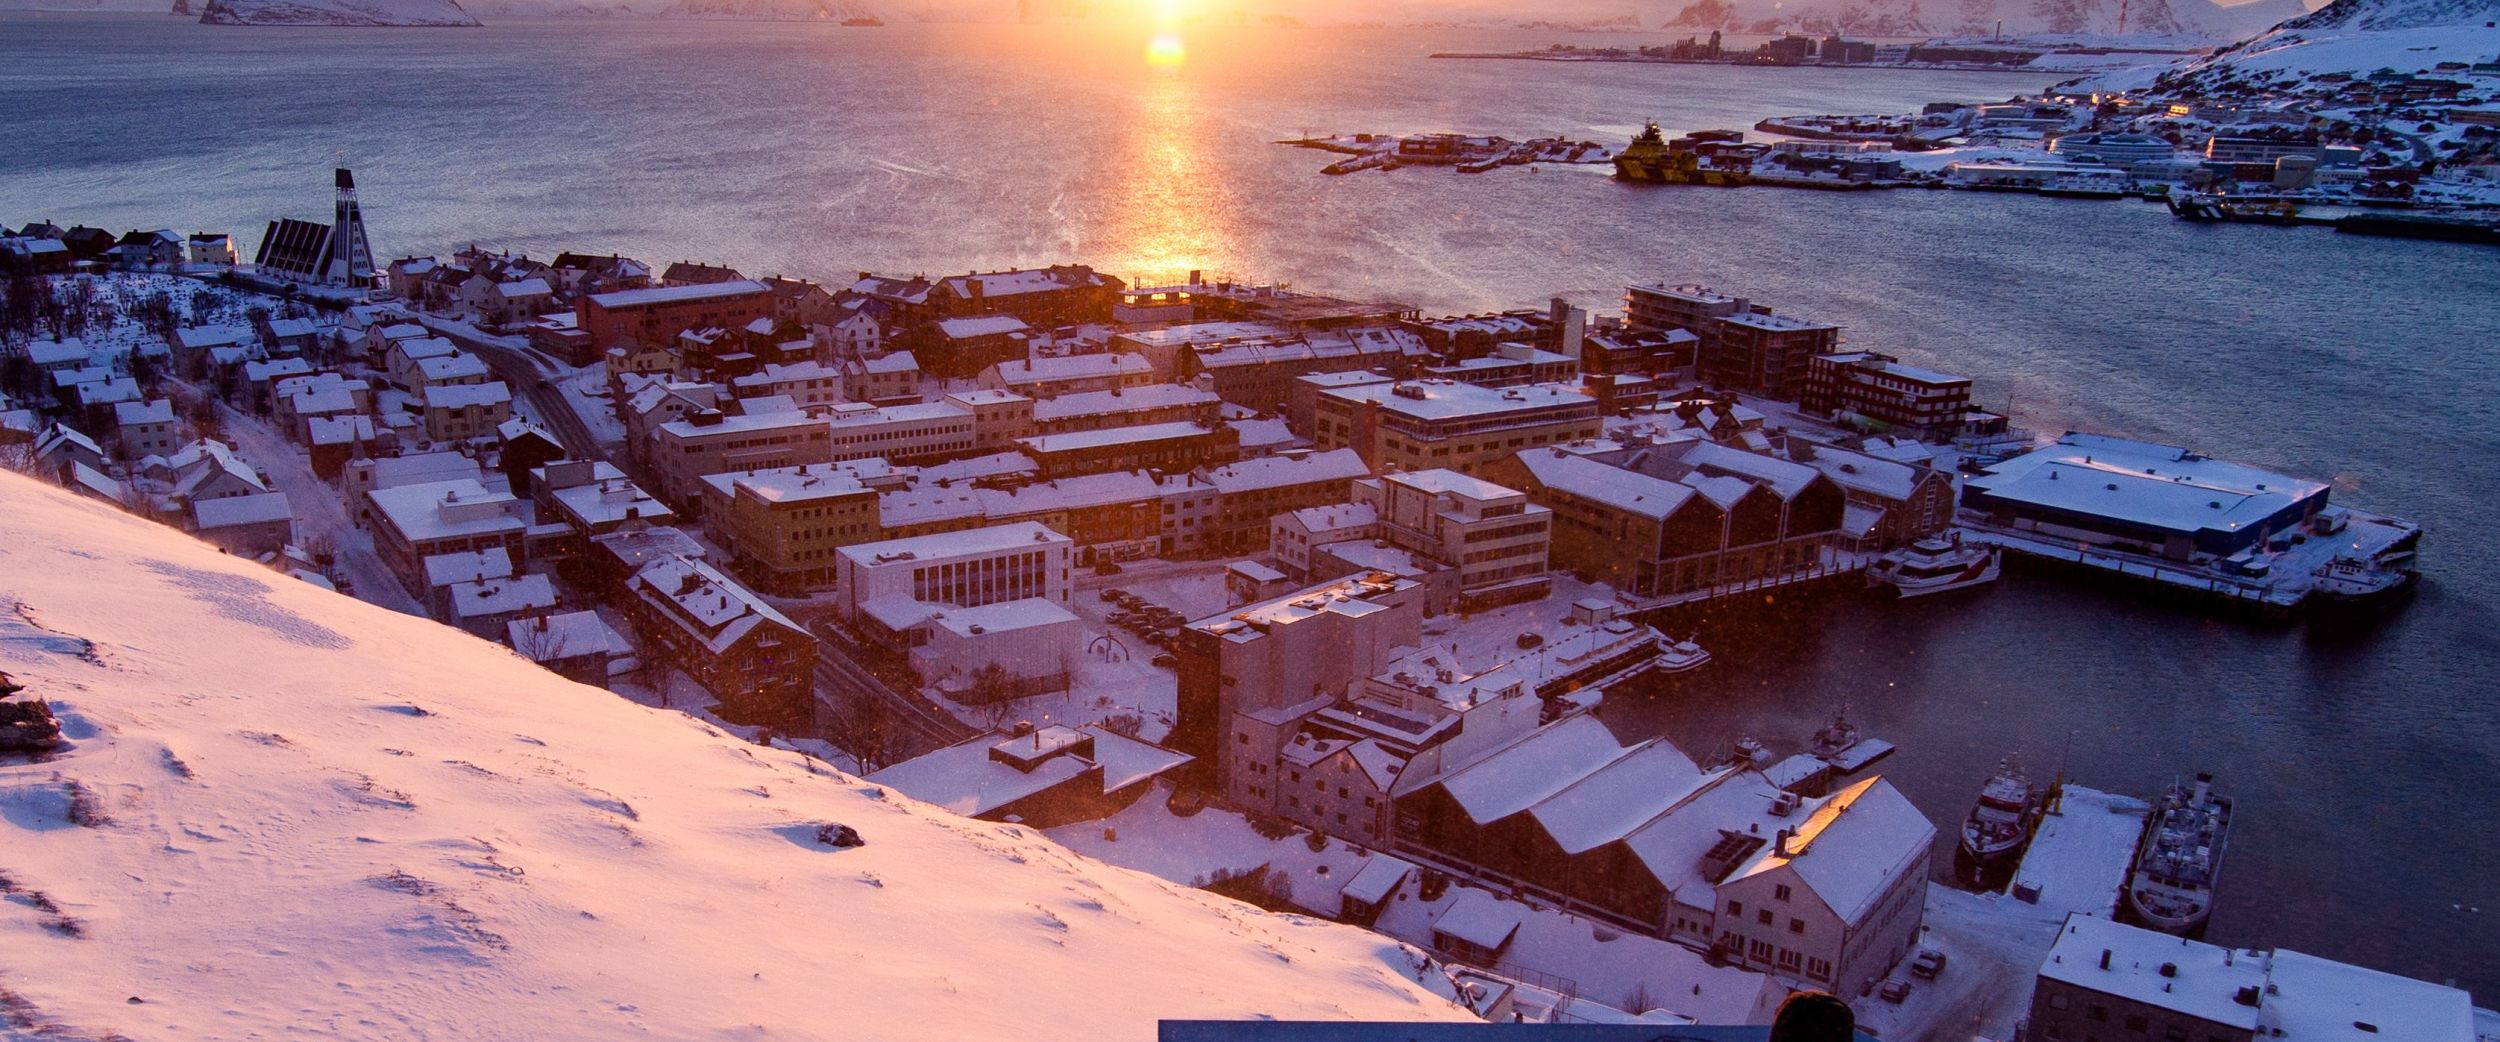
{"x": 336, "y": 12}
{"x": 277, "y": 842}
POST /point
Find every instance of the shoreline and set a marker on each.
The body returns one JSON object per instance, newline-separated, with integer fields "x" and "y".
{"x": 1644, "y": 59}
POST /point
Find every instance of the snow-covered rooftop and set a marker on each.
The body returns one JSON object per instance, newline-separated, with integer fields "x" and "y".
{"x": 676, "y": 294}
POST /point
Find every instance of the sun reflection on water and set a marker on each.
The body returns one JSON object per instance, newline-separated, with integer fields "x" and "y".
{"x": 1173, "y": 213}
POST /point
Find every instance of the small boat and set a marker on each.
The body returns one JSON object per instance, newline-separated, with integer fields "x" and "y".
{"x": 2171, "y": 885}
{"x": 2350, "y": 584}
{"x": 2000, "y": 823}
{"x": 1680, "y": 656}
{"x": 1935, "y": 565}
{"x": 1841, "y": 745}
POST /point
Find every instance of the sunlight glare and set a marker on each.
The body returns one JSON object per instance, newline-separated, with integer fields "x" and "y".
{"x": 1164, "y": 50}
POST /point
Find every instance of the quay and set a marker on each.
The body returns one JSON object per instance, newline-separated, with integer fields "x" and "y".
{"x": 2080, "y": 851}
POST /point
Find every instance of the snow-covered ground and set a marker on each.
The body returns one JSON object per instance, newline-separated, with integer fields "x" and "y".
{"x": 1605, "y": 965}
{"x": 286, "y": 813}
{"x": 320, "y": 510}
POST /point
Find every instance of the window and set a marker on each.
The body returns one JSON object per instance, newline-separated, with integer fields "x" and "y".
{"x": 1342, "y": 793}
{"x": 2099, "y": 1013}
{"x": 1780, "y": 891}
{"x": 1370, "y": 801}
{"x": 1736, "y": 908}
{"x": 1241, "y": 738}
{"x": 1796, "y": 926}
{"x": 2136, "y": 1022}
{"x": 2058, "y": 1000}
{"x": 1293, "y": 801}
{"x": 1763, "y": 917}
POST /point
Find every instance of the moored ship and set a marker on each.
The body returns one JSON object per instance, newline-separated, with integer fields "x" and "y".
{"x": 2171, "y": 885}
{"x": 1650, "y": 158}
{"x": 1935, "y": 565}
{"x": 1999, "y": 825}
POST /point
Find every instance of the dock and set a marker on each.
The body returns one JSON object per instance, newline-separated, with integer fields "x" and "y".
{"x": 2286, "y": 582}
{"x": 2080, "y": 852}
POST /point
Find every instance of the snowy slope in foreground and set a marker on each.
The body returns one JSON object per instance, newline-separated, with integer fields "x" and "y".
{"x": 331, "y": 821}
{"x": 336, "y": 12}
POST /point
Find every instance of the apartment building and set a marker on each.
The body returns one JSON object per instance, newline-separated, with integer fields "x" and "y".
{"x": 681, "y": 452}
{"x": 755, "y": 660}
{"x": 1887, "y": 395}
{"x": 781, "y": 526}
{"x": 1162, "y": 446}
{"x": 1251, "y": 492}
{"x": 1127, "y": 407}
{"x": 1247, "y": 675}
{"x": 1422, "y": 425}
{"x": 1694, "y": 308}
{"x": 1765, "y": 353}
{"x": 656, "y": 316}
{"x": 1492, "y": 536}
{"x": 413, "y": 522}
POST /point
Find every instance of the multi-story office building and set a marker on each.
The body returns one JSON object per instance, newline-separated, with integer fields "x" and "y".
{"x": 780, "y": 526}
{"x": 965, "y": 569}
{"x": 1249, "y": 674}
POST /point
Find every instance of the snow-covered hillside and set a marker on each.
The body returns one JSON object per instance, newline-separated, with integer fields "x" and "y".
{"x": 768, "y": 10}
{"x": 336, "y": 12}
{"x": 2355, "y": 37}
{"x": 287, "y": 814}
{"x": 2346, "y": 36}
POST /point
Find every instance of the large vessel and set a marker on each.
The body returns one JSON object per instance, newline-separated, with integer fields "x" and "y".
{"x": 1999, "y": 824}
{"x": 1935, "y": 565}
{"x": 2171, "y": 886}
{"x": 1650, "y": 158}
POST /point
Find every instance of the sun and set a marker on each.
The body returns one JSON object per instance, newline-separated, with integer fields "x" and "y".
{"x": 1165, "y": 50}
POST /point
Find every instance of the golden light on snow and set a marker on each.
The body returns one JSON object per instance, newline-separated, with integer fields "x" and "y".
{"x": 1164, "y": 51}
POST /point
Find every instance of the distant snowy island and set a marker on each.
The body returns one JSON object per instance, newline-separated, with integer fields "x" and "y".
{"x": 432, "y": 13}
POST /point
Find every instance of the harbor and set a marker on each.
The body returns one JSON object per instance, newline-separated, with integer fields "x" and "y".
{"x": 1468, "y": 154}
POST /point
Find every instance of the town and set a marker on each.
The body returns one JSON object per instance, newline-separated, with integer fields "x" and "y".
{"x": 1312, "y": 602}
{"x": 2365, "y": 151}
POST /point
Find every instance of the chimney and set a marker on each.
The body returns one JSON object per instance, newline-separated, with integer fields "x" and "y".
{"x": 2104, "y": 958}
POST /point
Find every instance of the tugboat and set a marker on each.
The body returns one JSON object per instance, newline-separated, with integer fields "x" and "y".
{"x": 2171, "y": 886}
{"x": 1934, "y": 565}
{"x": 2352, "y": 585}
{"x": 1998, "y": 826}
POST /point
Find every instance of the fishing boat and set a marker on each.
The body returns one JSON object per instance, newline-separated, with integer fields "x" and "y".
{"x": 2171, "y": 885}
{"x": 2000, "y": 824}
{"x": 1935, "y": 565}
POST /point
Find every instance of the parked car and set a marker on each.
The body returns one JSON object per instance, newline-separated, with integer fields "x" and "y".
{"x": 1894, "y": 990}
{"x": 1113, "y": 596}
{"x": 1107, "y": 568}
{"x": 1928, "y": 963}
{"x": 1166, "y": 661}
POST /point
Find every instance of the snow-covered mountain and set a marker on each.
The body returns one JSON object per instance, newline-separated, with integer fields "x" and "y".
{"x": 288, "y": 814}
{"x": 336, "y": 12}
{"x": 768, "y": 10}
{"x": 2354, "y": 37}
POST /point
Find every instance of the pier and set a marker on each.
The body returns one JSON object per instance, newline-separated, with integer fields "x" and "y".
{"x": 2080, "y": 851}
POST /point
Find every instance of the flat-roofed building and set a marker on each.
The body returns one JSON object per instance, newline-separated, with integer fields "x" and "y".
{"x": 782, "y": 525}
{"x": 1765, "y": 353}
{"x": 1886, "y": 394}
{"x": 2160, "y": 499}
{"x": 681, "y": 452}
{"x": 1691, "y": 307}
{"x": 414, "y": 522}
{"x": 656, "y": 316}
{"x": 1179, "y": 446}
{"x": 2109, "y": 981}
{"x": 1422, "y": 425}
{"x": 1127, "y": 407}
{"x": 1250, "y": 494}
{"x": 1508, "y": 365}
{"x": 966, "y": 569}
{"x": 1248, "y": 674}
{"x": 1053, "y": 375}
{"x": 1491, "y": 535}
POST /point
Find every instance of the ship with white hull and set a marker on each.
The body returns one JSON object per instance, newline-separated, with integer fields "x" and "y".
{"x": 1999, "y": 825}
{"x": 2171, "y": 885}
{"x": 1936, "y": 565}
